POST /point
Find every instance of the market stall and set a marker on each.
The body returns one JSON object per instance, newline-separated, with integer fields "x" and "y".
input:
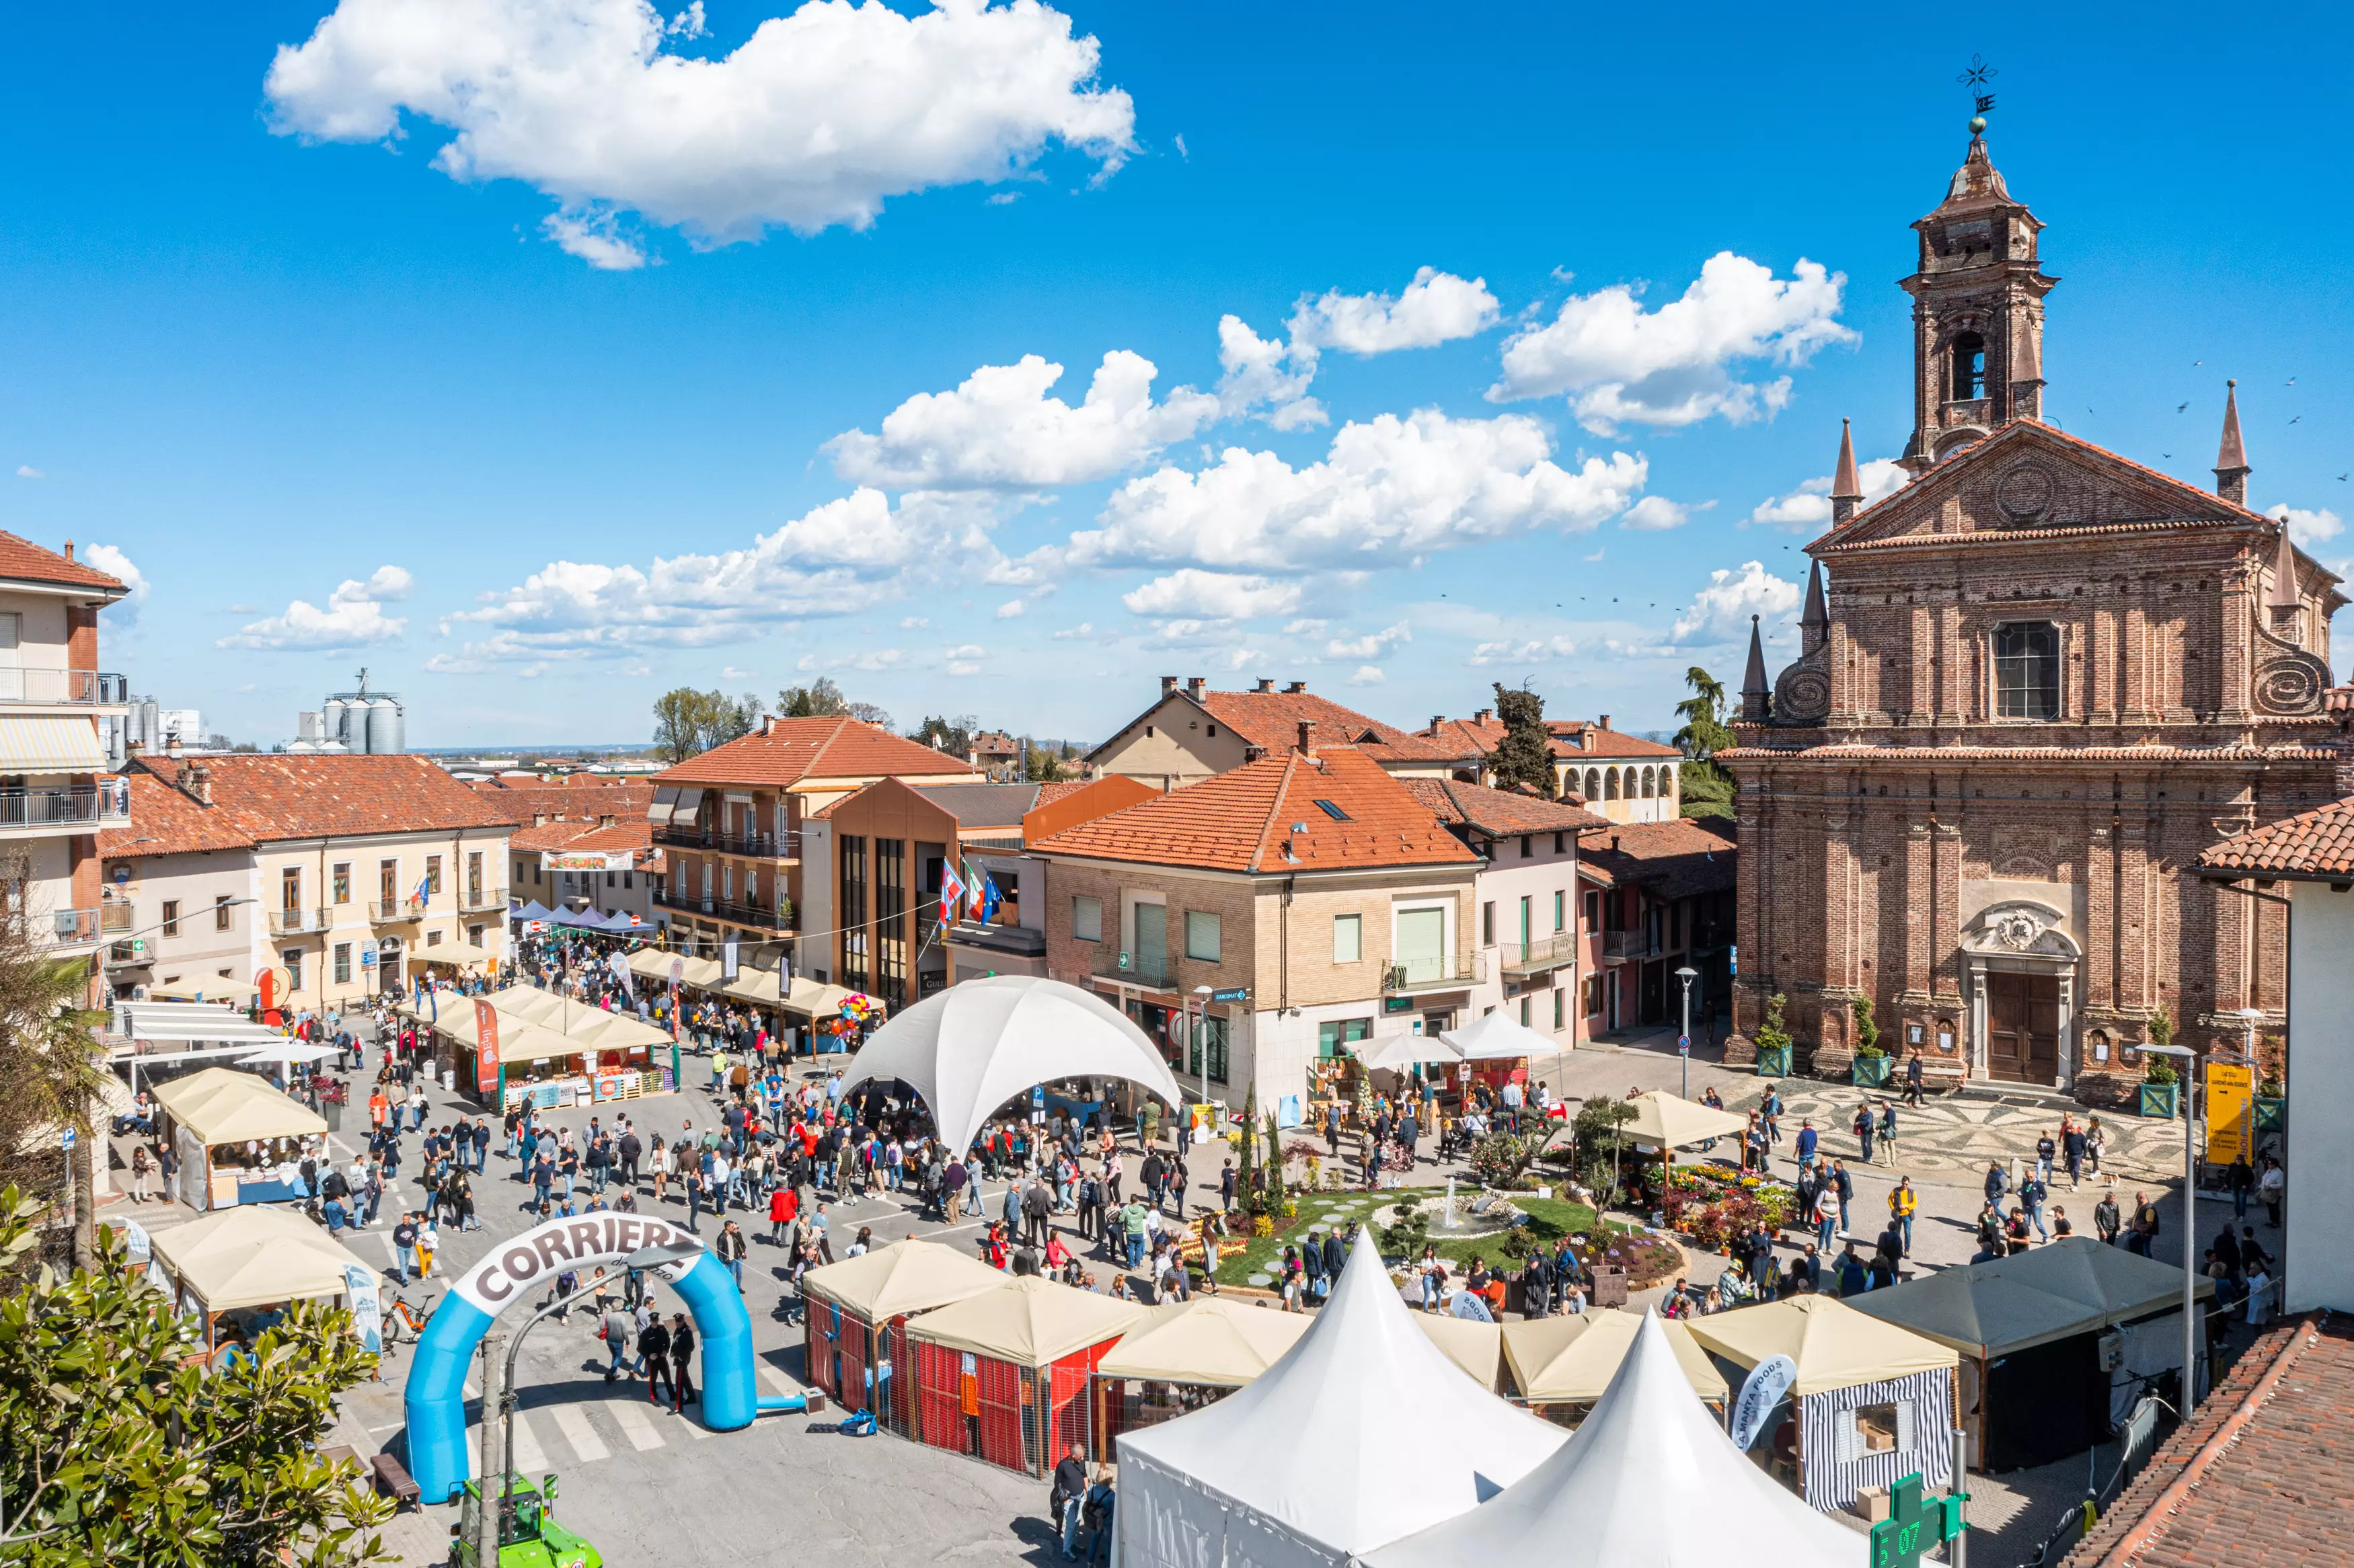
{"x": 1875, "y": 1402}
{"x": 556, "y": 1051}
{"x": 1650, "y": 1479}
{"x": 1560, "y": 1367}
{"x": 1477, "y": 1347}
{"x": 857, "y": 1318}
{"x": 212, "y": 987}
{"x": 1003, "y": 1375}
{"x": 1363, "y": 1432}
{"x": 239, "y": 1141}
{"x": 1496, "y": 1049}
{"x": 2037, "y": 1332}
{"x": 1184, "y": 1357}
{"x": 240, "y": 1270}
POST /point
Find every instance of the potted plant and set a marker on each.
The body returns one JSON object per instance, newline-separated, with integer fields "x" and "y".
{"x": 1870, "y": 1068}
{"x": 2272, "y": 1106}
{"x": 1774, "y": 1040}
{"x": 2160, "y": 1084}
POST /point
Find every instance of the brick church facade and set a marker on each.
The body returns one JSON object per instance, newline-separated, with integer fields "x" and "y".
{"x": 2034, "y": 685}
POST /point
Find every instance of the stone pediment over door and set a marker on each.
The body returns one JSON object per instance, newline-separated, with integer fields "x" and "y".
{"x": 2025, "y": 478}
{"x": 2021, "y": 928}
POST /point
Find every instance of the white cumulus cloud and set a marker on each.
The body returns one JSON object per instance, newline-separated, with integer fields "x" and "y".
{"x": 354, "y": 618}
{"x": 1720, "y": 612}
{"x": 1621, "y": 364}
{"x": 813, "y": 121}
{"x": 1368, "y": 675}
{"x": 1388, "y": 490}
{"x": 27, "y": 471}
{"x": 1807, "y": 508}
{"x": 2309, "y": 528}
{"x": 110, "y": 560}
{"x": 1436, "y": 307}
{"x": 1527, "y": 651}
{"x": 1266, "y": 373}
{"x": 1212, "y": 596}
{"x": 1000, "y": 429}
{"x": 1011, "y": 609}
{"x": 1373, "y": 645}
{"x": 1657, "y": 514}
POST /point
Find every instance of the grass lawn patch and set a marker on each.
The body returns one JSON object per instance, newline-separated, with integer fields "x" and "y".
{"x": 1240, "y": 1258}
{"x": 1550, "y": 1219}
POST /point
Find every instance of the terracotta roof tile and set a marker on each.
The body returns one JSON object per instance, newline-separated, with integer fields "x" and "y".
{"x": 166, "y": 821}
{"x": 1500, "y": 811}
{"x": 1675, "y": 859}
{"x": 525, "y": 801}
{"x": 2318, "y": 843}
{"x": 23, "y": 561}
{"x": 1573, "y": 738}
{"x": 586, "y": 837}
{"x": 1271, "y": 720}
{"x": 1242, "y": 819}
{"x": 277, "y": 795}
{"x": 788, "y": 750}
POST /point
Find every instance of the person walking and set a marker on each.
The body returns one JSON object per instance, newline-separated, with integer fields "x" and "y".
{"x": 1865, "y": 1126}
{"x": 2273, "y": 1188}
{"x": 682, "y": 1361}
{"x": 1913, "y": 1079}
{"x": 731, "y": 1253}
{"x": 654, "y": 1350}
{"x": 1888, "y": 1134}
{"x": 2106, "y": 1221}
{"x": 1902, "y": 1203}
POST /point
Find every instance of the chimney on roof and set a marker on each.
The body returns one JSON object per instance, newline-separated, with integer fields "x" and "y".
{"x": 1481, "y": 716}
{"x": 1437, "y": 720}
{"x": 197, "y": 783}
{"x": 1295, "y": 687}
{"x": 1168, "y": 685}
{"x": 606, "y": 820}
{"x": 1264, "y": 684}
{"x": 1613, "y": 844}
{"x": 1194, "y": 684}
{"x": 68, "y": 549}
{"x": 1606, "y": 721}
{"x": 1307, "y": 747}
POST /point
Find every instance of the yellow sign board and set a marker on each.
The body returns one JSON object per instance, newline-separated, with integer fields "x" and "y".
{"x": 2231, "y": 1112}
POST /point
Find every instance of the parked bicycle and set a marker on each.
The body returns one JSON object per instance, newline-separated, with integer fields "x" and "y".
{"x": 402, "y": 1318}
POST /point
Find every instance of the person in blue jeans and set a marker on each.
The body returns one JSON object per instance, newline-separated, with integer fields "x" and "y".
{"x": 1132, "y": 1220}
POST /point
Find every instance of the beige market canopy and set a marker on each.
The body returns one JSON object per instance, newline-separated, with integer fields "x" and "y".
{"x": 1832, "y": 1344}
{"x": 765, "y": 988}
{"x": 2074, "y": 1286}
{"x": 1029, "y": 1321}
{"x": 223, "y": 1106}
{"x": 253, "y": 1257}
{"x": 651, "y": 963}
{"x": 1570, "y": 1359}
{"x": 908, "y": 1275}
{"x": 1666, "y": 1121}
{"x": 217, "y": 987}
{"x": 1208, "y": 1339}
{"x": 596, "y": 1028}
{"x": 518, "y": 1040}
{"x": 1477, "y": 1348}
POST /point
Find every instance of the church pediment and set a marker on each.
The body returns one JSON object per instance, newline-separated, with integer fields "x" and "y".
{"x": 2025, "y": 479}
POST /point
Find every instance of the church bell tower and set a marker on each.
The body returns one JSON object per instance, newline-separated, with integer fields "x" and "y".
{"x": 1978, "y": 313}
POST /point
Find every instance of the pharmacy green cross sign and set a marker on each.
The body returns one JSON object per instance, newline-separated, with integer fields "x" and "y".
{"x": 1914, "y": 1525}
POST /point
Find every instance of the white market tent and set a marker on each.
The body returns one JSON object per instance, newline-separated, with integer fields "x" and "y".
{"x": 285, "y": 1053}
{"x": 1649, "y": 1481}
{"x": 973, "y": 1047}
{"x": 1498, "y": 1037}
{"x": 1364, "y": 1432}
{"x": 1663, "y": 1120}
{"x": 180, "y": 1022}
{"x": 1400, "y": 1051}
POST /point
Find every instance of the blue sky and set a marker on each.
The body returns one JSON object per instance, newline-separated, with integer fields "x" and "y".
{"x": 469, "y": 344}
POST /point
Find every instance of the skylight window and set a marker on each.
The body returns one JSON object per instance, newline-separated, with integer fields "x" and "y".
{"x": 1333, "y": 810}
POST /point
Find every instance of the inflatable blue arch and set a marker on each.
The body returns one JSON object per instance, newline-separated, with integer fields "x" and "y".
{"x": 515, "y": 1275}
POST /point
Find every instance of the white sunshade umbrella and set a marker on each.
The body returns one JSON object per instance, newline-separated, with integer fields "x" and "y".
{"x": 973, "y": 1047}
{"x": 1500, "y": 1037}
{"x": 292, "y": 1051}
{"x": 1403, "y": 1051}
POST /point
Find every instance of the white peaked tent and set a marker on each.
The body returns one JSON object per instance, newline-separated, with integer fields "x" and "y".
{"x": 1363, "y": 1433}
{"x": 973, "y": 1047}
{"x": 1649, "y": 1481}
{"x": 1500, "y": 1037}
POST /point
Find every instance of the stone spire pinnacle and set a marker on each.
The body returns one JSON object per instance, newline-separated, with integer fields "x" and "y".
{"x": 2231, "y": 458}
{"x": 1815, "y": 624}
{"x": 1756, "y": 694}
{"x": 2284, "y": 595}
{"x": 1847, "y": 490}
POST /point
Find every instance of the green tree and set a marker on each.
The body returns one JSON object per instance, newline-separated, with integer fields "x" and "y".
{"x": 1601, "y": 1144}
{"x": 1867, "y": 1027}
{"x": 687, "y": 722}
{"x": 953, "y": 736}
{"x": 53, "y": 1069}
{"x": 1706, "y": 786}
{"x": 1773, "y": 1034}
{"x": 115, "y": 1450}
{"x": 1045, "y": 768}
{"x": 819, "y": 699}
{"x": 1523, "y": 759}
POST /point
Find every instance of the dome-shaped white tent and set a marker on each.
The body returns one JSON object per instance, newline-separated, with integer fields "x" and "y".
{"x": 1650, "y": 1480}
{"x": 973, "y": 1047}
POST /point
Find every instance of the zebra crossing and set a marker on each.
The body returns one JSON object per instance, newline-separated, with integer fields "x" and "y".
{"x": 558, "y": 1435}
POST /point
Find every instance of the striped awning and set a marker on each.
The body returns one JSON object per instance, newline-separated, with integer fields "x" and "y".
{"x": 31, "y": 743}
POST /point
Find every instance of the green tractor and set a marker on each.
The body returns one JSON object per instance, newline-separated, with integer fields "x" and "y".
{"x": 529, "y": 1536}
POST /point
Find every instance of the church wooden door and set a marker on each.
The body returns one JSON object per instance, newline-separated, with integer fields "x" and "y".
{"x": 2022, "y": 1027}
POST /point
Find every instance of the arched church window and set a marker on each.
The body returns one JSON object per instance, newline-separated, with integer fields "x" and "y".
{"x": 2027, "y": 669}
{"x": 1969, "y": 367}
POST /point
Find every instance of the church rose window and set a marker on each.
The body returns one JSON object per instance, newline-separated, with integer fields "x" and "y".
{"x": 2027, "y": 671}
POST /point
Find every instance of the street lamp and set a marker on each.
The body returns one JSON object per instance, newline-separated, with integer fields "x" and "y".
{"x": 2183, "y": 1056}
{"x": 1683, "y": 1042}
{"x": 1202, "y": 1038}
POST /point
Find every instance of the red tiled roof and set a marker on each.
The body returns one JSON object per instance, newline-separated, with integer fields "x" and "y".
{"x": 23, "y": 561}
{"x": 568, "y": 803}
{"x": 2262, "y": 1473}
{"x": 787, "y": 750}
{"x": 2317, "y": 844}
{"x": 165, "y": 821}
{"x": 1271, "y": 720}
{"x": 1499, "y": 812}
{"x": 1570, "y": 736}
{"x": 1242, "y": 819}
{"x": 274, "y": 796}
{"x": 1674, "y": 859}
{"x": 586, "y": 837}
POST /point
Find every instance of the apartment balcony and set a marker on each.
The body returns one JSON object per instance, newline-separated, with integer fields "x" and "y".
{"x": 1153, "y": 971}
{"x": 300, "y": 922}
{"x": 74, "y": 928}
{"x": 1520, "y": 960}
{"x": 77, "y": 688}
{"x": 1018, "y": 941}
{"x": 762, "y": 846}
{"x": 116, "y": 917}
{"x": 721, "y": 909}
{"x": 385, "y": 911}
{"x": 1619, "y": 946}
{"x": 1459, "y": 973}
{"x": 477, "y": 899}
{"x": 72, "y": 809}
